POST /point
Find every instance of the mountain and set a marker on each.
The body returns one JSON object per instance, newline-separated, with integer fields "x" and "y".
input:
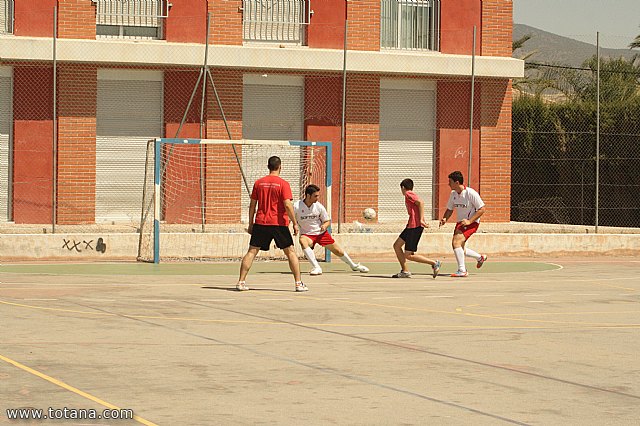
{"x": 554, "y": 49}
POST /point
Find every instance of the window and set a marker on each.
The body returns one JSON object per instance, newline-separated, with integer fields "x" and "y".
{"x": 410, "y": 24}
{"x": 6, "y": 16}
{"x": 139, "y": 19}
{"x": 278, "y": 21}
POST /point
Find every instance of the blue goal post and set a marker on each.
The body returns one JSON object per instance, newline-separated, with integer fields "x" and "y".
{"x": 197, "y": 166}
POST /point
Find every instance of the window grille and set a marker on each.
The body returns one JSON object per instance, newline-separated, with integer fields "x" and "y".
{"x": 6, "y": 16}
{"x": 140, "y": 19}
{"x": 410, "y": 24}
{"x": 278, "y": 21}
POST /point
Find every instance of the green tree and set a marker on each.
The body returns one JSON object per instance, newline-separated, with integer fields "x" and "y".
{"x": 635, "y": 43}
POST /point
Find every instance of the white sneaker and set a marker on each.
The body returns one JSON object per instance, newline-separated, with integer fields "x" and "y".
{"x": 301, "y": 287}
{"x": 316, "y": 271}
{"x": 360, "y": 268}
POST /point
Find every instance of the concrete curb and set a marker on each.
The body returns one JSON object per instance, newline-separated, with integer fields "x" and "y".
{"x": 94, "y": 247}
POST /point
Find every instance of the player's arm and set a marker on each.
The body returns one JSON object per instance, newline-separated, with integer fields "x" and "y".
{"x": 252, "y": 214}
{"x": 324, "y": 218}
{"x": 288, "y": 206}
{"x": 480, "y": 209}
{"x": 325, "y": 225}
{"x": 446, "y": 216}
{"x": 420, "y": 205}
{"x": 479, "y": 213}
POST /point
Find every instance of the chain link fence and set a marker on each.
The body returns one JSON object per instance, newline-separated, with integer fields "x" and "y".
{"x": 574, "y": 158}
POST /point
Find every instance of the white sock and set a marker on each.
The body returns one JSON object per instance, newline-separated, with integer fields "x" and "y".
{"x": 346, "y": 259}
{"x": 459, "y": 252}
{"x": 472, "y": 253}
{"x": 311, "y": 256}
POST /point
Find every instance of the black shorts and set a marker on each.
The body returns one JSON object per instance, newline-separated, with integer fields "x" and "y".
{"x": 262, "y": 235}
{"x": 411, "y": 238}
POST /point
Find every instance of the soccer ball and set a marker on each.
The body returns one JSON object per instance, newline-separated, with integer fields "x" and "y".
{"x": 369, "y": 214}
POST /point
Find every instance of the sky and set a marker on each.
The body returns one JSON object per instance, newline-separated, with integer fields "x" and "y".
{"x": 617, "y": 20}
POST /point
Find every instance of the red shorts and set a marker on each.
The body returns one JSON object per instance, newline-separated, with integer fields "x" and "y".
{"x": 323, "y": 239}
{"x": 468, "y": 230}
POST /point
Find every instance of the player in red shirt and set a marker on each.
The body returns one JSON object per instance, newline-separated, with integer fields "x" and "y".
{"x": 410, "y": 237}
{"x": 272, "y": 197}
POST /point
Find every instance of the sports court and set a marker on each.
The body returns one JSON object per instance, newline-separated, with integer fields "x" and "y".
{"x": 524, "y": 341}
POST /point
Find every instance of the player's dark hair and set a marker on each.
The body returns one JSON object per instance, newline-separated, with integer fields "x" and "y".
{"x": 274, "y": 163}
{"x": 456, "y": 177}
{"x": 407, "y": 184}
{"x": 311, "y": 189}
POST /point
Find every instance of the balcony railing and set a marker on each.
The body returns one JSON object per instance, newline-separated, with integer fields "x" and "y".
{"x": 410, "y": 24}
{"x": 277, "y": 21}
{"x": 140, "y": 19}
{"x": 6, "y": 16}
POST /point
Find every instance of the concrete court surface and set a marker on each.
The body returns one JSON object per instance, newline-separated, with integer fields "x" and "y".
{"x": 525, "y": 342}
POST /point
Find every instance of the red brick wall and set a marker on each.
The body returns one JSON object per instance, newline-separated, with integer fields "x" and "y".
{"x": 187, "y": 22}
{"x": 76, "y": 19}
{"x": 452, "y": 144}
{"x": 224, "y": 184}
{"x": 361, "y": 145}
{"x": 32, "y": 144}
{"x": 77, "y": 105}
{"x": 34, "y": 18}
{"x": 364, "y": 25}
{"x": 495, "y": 168}
{"x": 497, "y": 27}
{"x": 457, "y": 21}
{"x": 327, "y": 24}
{"x": 226, "y": 22}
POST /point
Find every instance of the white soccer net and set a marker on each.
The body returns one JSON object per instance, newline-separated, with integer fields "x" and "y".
{"x": 203, "y": 201}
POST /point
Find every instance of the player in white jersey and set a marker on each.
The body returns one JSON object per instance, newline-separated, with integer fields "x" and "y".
{"x": 469, "y": 207}
{"x": 314, "y": 221}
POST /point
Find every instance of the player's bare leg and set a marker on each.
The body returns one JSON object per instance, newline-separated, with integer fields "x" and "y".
{"x": 294, "y": 265}
{"x": 412, "y": 256}
{"x": 398, "y": 249}
{"x": 435, "y": 264}
{"x": 245, "y": 265}
{"x": 338, "y": 251}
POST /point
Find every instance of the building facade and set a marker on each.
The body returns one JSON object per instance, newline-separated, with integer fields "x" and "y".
{"x": 86, "y": 83}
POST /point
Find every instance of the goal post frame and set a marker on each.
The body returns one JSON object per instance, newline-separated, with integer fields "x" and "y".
{"x": 157, "y": 171}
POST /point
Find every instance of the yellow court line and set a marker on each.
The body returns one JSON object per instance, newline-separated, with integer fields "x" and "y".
{"x": 489, "y": 316}
{"x": 71, "y": 388}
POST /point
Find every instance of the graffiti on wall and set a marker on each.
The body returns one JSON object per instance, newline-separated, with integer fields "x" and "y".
{"x": 84, "y": 245}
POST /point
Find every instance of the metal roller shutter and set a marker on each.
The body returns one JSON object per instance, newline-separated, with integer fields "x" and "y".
{"x": 272, "y": 109}
{"x": 6, "y": 121}
{"x": 407, "y": 134}
{"x": 129, "y": 114}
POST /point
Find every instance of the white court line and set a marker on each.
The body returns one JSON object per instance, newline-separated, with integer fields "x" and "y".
{"x": 384, "y": 298}
{"x": 535, "y": 301}
{"x": 40, "y": 300}
{"x": 276, "y": 299}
